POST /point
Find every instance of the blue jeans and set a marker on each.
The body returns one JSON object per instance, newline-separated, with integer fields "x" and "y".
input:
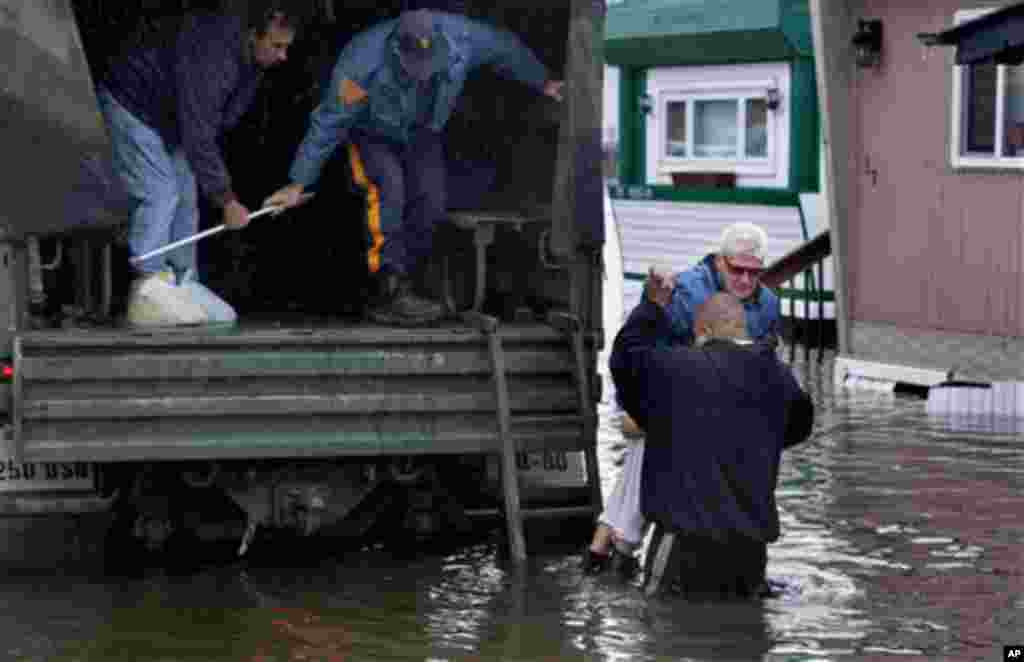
{"x": 159, "y": 177}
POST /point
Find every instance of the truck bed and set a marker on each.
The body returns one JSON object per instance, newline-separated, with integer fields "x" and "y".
{"x": 297, "y": 389}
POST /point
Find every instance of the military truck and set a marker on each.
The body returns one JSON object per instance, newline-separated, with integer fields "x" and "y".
{"x": 302, "y": 415}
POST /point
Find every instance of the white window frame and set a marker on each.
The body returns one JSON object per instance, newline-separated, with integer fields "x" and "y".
{"x": 714, "y": 82}
{"x": 758, "y": 165}
{"x": 957, "y": 158}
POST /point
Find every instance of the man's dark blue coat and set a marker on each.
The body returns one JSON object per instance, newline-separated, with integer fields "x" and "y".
{"x": 193, "y": 83}
{"x": 717, "y": 418}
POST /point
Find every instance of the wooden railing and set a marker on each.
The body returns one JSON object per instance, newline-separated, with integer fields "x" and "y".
{"x": 806, "y": 262}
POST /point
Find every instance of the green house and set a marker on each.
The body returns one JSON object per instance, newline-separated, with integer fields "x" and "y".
{"x": 718, "y": 122}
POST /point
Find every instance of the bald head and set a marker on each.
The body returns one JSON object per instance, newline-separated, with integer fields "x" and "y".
{"x": 721, "y": 316}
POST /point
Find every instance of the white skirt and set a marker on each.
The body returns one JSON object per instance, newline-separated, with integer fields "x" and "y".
{"x": 622, "y": 510}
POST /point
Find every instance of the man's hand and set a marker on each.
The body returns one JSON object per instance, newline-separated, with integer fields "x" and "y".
{"x": 553, "y": 89}
{"x": 661, "y": 280}
{"x": 287, "y": 197}
{"x": 236, "y": 216}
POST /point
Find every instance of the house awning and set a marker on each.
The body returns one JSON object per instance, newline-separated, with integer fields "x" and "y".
{"x": 648, "y": 33}
{"x": 997, "y": 36}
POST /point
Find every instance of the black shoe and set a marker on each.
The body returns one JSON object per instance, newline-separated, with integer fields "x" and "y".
{"x": 396, "y": 304}
{"x": 594, "y": 563}
{"x": 626, "y": 566}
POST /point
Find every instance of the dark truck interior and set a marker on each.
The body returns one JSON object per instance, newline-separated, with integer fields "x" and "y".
{"x": 501, "y": 144}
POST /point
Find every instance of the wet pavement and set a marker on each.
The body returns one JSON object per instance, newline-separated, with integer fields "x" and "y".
{"x": 903, "y": 538}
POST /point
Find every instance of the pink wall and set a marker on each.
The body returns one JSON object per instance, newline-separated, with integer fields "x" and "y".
{"x": 928, "y": 247}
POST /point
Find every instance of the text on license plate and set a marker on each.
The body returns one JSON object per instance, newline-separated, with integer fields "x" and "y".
{"x": 552, "y": 468}
{"x": 32, "y": 476}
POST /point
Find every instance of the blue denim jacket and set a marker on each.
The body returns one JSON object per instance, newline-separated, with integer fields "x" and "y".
{"x": 695, "y": 286}
{"x": 369, "y": 92}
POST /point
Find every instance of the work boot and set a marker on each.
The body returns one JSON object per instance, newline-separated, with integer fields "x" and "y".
{"x": 594, "y": 563}
{"x": 397, "y": 305}
{"x": 156, "y": 301}
{"x": 626, "y": 566}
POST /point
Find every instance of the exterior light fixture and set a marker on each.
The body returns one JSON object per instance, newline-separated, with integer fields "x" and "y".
{"x": 646, "y": 104}
{"x": 772, "y": 98}
{"x": 867, "y": 43}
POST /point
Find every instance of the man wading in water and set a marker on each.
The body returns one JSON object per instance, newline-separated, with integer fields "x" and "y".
{"x": 735, "y": 267}
{"x": 718, "y": 416}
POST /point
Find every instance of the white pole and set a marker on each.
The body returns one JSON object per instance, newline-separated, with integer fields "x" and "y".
{"x": 196, "y": 237}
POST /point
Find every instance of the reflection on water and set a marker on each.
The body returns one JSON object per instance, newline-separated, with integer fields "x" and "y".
{"x": 901, "y": 537}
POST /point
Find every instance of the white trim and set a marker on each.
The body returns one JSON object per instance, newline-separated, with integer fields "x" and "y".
{"x": 832, "y": 24}
{"x": 956, "y": 158}
{"x": 741, "y": 165}
{"x": 733, "y": 82}
{"x": 850, "y": 368}
{"x": 612, "y": 292}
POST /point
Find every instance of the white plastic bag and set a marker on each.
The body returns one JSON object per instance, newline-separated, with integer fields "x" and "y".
{"x": 622, "y": 511}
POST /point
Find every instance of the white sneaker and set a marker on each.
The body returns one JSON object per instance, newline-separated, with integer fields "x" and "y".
{"x": 218, "y": 311}
{"x": 156, "y": 301}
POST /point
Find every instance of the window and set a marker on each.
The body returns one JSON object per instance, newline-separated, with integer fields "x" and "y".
{"x": 715, "y": 131}
{"x": 756, "y": 128}
{"x": 731, "y": 128}
{"x": 719, "y": 119}
{"x": 675, "y": 141}
{"x": 988, "y": 113}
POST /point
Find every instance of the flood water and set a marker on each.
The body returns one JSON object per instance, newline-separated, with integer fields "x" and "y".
{"x": 903, "y": 538}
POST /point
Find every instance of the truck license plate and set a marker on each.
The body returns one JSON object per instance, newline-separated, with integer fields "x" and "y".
{"x": 552, "y": 468}
{"x": 45, "y": 476}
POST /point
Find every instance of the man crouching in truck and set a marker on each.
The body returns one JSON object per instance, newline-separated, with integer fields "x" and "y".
{"x": 718, "y": 416}
{"x": 391, "y": 93}
{"x": 165, "y": 106}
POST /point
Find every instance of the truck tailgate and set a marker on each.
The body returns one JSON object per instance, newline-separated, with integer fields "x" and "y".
{"x": 84, "y": 396}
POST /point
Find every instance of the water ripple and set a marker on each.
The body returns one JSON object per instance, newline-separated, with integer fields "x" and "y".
{"x": 901, "y": 537}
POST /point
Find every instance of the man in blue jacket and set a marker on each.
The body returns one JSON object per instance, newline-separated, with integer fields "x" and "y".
{"x": 392, "y": 91}
{"x": 718, "y": 416}
{"x": 734, "y": 268}
{"x": 165, "y": 106}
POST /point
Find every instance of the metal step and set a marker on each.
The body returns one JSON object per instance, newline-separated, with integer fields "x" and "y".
{"x": 569, "y": 419}
{"x": 563, "y": 512}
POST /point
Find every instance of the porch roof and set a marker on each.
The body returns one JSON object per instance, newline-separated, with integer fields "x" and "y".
{"x": 679, "y": 32}
{"x": 997, "y": 36}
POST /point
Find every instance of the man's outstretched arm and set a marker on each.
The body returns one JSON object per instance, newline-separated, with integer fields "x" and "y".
{"x": 631, "y": 355}
{"x": 507, "y": 54}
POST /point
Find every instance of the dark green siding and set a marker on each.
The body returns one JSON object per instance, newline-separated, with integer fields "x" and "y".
{"x": 632, "y": 143}
{"x": 670, "y": 17}
{"x": 672, "y": 32}
{"x": 710, "y": 48}
{"x": 804, "y": 130}
{"x": 796, "y": 25}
